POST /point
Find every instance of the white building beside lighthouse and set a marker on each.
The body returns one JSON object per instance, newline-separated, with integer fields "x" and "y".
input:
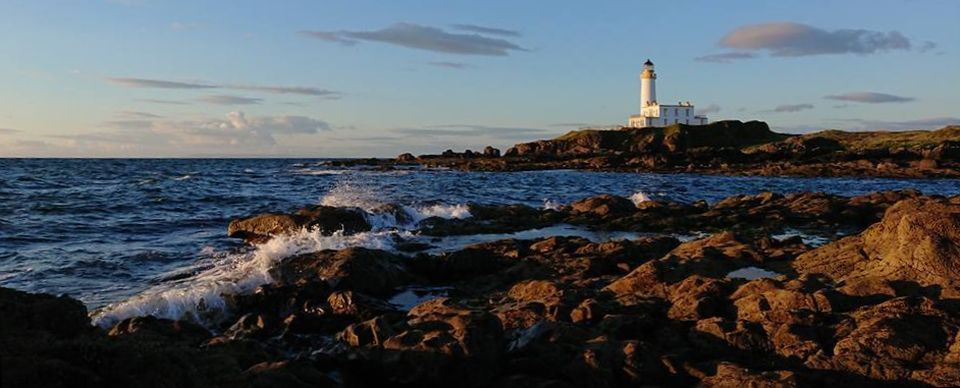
{"x": 652, "y": 113}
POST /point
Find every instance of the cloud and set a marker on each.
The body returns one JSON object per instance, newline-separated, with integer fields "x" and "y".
{"x": 926, "y": 46}
{"x": 236, "y": 129}
{"x": 470, "y": 131}
{"x": 791, "y": 108}
{"x": 419, "y": 37}
{"x": 153, "y": 83}
{"x": 869, "y": 97}
{"x": 135, "y": 114}
{"x": 275, "y": 89}
{"x": 230, "y": 100}
{"x": 130, "y": 124}
{"x": 7, "y": 131}
{"x": 712, "y": 108}
{"x": 165, "y": 102}
{"x": 449, "y": 65}
{"x": 926, "y": 123}
{"x": 486, "y": 30}
{"x": 302, "y": 90}
{"x": 795, "y": 40}
{"x": 725, "y": 57}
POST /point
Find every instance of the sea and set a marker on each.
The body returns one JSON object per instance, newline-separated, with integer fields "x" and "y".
{"x": 132, "y": 237}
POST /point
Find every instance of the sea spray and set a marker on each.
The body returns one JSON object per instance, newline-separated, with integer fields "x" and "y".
{"x": 551, "y": 205}
{"x": 639, "y": 197}
{"x": 200, "y": 298}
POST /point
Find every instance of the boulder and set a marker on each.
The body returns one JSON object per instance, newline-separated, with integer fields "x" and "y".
{"x": 918, "y": 240}
{"x": 368, "y": 271}
{"x": 603, "y": 206}
{"x": 326, "y": 219}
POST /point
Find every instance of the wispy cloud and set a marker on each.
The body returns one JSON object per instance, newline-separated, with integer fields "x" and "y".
{"x": 221, "y": 99}
{"x": 302, "y": 90}
{"x": 926, "y": 123}
{"x": 136, "y": 114}
{"x": 869, "y": 97}
{"x": 795, "y": 39}
{"x": 153, "y": 83}
{"x": 725, "y": 57}
{"x": 487, "y": 30}
{"x": 274, "y": 89}
{"x": 235, "y": 129}
{"x": 449, "y": 65}
{"x": 420, "y": 37}
{"x": 470, "y": 131}
{"x": 7, "y": 131}
{"x": 159, "y": 101}
{"x": 789, "y": 108}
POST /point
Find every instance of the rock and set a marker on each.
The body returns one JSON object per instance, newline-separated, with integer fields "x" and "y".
{"x": 406, "y": 158}
{"x": 261, "y": 228}
{"x": 892, "y": 338}
{"x": 361, "y": 270}
{"x": 491, "y": 152}
{"x": 292, "y": 374}
{"x": 326, "y": 219}
{"x": 918, "y": 240}
{"x": 443, "y": 342}
{"x": 697, "y": 297}
{"x": 47, "y": 341}
{"x": 730, "y": 375}
{"x": 367, "y": 333}
{"x": 22, "y": 312}
{"x": 160, "y": 328}
{"x": 604, "y": 206}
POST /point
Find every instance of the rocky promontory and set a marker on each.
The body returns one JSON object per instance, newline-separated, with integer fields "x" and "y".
{"x": 723, "y": 147}
{"x": 733, "y": 306}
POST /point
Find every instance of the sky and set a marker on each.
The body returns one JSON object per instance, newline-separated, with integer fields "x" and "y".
{"x": 204, "y": 78}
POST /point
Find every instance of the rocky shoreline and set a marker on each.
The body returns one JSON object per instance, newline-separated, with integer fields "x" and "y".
{"x": 736, "y": 307}
{"x": 724, "y": 147}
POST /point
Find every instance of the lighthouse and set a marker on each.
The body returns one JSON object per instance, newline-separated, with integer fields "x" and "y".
{"x": 654, "y": 114}
{"x": 648, "y": 85}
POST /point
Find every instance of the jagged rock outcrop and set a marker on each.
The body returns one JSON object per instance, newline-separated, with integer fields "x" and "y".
{"x": 918, "y": 240}
{"x": 326, "y": 219}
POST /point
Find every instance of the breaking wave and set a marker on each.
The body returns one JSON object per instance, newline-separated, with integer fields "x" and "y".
{"x": 200, "y": 298}
{"x": 640, "y": 197}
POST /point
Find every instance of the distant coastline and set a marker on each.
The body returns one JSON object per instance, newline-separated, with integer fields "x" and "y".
{"x": 723, "y": 147}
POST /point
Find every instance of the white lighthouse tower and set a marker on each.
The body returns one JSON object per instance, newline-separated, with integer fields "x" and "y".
{"x": 652, "y": 113}
{"x": 648, "y": 85}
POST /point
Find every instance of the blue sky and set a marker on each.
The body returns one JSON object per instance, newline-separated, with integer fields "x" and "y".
{"x": 150, "y": 78}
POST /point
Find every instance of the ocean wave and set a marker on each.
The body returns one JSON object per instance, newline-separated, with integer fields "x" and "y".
{"x": 309, "y": 171}
{"x": 640, "y": 197}
{"x": 200, "y": 298}
{"x": 551, "y": 205}
{"x": 382, "y": 216}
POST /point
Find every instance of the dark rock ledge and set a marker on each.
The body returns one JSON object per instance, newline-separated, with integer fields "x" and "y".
{"x": 878, "y": 307}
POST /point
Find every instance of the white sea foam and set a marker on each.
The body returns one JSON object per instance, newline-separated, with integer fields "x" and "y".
{"x": 308, "y": 171}
{"x": 551, "y": 205}
{"x": 640, "y": 197}
{"x": 440, "y": 210}
{"x": 348, "y": 194}
{"x": 200, "y": 298}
